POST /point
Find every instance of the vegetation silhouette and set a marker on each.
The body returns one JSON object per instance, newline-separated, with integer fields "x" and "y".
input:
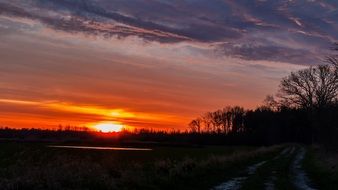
{"x": 303, "y": 110}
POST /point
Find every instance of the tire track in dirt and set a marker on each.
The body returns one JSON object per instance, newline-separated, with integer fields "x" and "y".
{"x": 270, "y": 183}
{"x": 300, "y": 179}
{"x": 298, "y": 176}
{"x": 236, "y": 183}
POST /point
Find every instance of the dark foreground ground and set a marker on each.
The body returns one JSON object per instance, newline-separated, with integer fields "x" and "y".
{"x": 37, "y": 166}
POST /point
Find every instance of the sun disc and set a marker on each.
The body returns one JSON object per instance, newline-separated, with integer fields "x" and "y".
{"x": 108, "y": 127}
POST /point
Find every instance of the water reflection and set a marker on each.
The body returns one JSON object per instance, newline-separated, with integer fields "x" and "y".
{"x": 101, "y": 148}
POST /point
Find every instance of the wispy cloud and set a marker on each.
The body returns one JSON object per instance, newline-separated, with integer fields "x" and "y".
{"x": 198, "y": 21}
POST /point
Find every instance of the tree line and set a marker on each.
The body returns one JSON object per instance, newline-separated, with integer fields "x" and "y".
{"x": 304, "y": 109}
{"x": 226, "y": 120}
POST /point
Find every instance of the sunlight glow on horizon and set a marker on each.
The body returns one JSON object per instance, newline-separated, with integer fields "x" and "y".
{"x": 66, "y": 113}
{"x": 107, "y": 127}
{"x": 95, "y": 110}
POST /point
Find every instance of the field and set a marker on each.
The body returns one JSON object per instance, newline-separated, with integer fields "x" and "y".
{"x": 37, "y": 166}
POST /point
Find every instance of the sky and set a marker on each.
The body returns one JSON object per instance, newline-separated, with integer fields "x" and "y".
{"x": 151, "y": 63}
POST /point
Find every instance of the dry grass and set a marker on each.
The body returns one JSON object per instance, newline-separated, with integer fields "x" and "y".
{"x": 41, "y": 168}
{"x": 321, "y": 165}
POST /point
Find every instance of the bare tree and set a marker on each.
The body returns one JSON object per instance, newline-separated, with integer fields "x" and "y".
{"x": 228, "y": 119}
{"x": 333, "y": 59}
{"x": 195, "y": 125}
{"x": 237, "y": 118}
{"x": 314, "y": 87}
{"x": 218, "y": 121}
{"x": 207, "y": 121}
{"x": 270, "y": 103}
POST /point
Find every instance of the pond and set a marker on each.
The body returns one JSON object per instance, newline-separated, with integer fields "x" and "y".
{"x": 101, "y": 148}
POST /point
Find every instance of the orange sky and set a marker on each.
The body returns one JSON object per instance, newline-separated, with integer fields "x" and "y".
{"x": 50, "y": 76}
{"x": 95, "y": 80}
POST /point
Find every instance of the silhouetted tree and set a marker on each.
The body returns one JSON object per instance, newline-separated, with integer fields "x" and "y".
{"x": 315, "y": 87}
{"x": 270, "y": 103}
{"x": 195, "y": 125}
{"x": 237, "y": 118}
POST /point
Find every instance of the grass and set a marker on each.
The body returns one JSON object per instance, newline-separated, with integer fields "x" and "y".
{"x": 35, "y": 166}
{"x": 321, "y": 167}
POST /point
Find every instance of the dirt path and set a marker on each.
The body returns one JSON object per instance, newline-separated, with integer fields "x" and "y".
{"x": 283, "y": 171}
{"x": 300, "y": 179}
{"x": 235, "y": 183}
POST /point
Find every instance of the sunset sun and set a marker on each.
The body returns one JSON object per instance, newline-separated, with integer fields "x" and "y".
{"x": 107, "y": 127}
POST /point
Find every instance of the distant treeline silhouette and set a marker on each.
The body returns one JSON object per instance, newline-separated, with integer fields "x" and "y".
{"x": 305, "y": 109}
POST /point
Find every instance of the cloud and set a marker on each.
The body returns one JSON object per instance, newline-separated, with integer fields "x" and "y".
{"x": 176, "y": 21}
{"x": 85, "y": 17}
{"x": 224, "y": 22}
{"x": 251, "y": 51}
{"x": 78, "y": 22}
